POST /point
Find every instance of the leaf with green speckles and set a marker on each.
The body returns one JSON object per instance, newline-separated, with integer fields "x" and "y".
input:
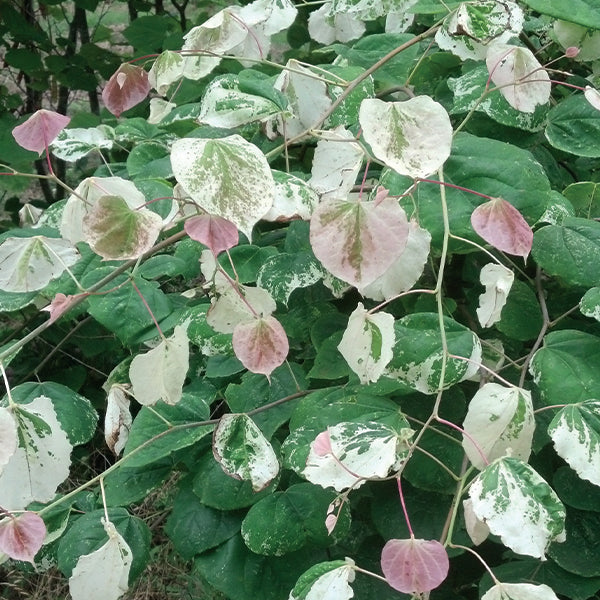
{"x": 243, "y": 451}
{"x": 412, "y": 137}
{"x": 499, "y": 421}
{"x": 228, "y": 177}
{"x": 519, "y": 506}
{"x": 575, "y": 431}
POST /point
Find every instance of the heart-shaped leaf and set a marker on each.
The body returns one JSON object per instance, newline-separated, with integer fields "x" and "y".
{"x": 500, "y": 421}
{"x": 117, "y": 232}
{"x": 261, "y": 344}
{"x": 519, "y": 591}
{"x": 213, "y": 231}
{"x": 30, "y": 263}
{"x": 228, "y": 177}
{"x": 160, "y": 373}
{"x": 21, "y": 537}
{"x": 414, "y": 566}
{"x": 367, "y": 343}
{"x": 358, "y": 241}
{"x": 326, "y": 581}
{"x": 412, "y": 137}
{"x": 575, "y": 431}
{"x": 519, "y": 76}
{"x": 244, "y": 452}
{"x": 127, "y": 87}
{"x": 39, "y": 130}
{"x": 500, "y": 224}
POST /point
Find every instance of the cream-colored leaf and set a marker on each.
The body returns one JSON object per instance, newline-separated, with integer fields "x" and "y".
{"x": 104, "y": 573}
{"x": 497, "y": 281}
{"x": 402, "y": 275}
{"x": 229, "y": 309}
{"x": 8, "y": 436}
{"x": 42, "y": 459}
{"x": 367, "y": 343}
{"x": 118, "y": 420}
{"x": 519, "y": 76}
{"x": 412, "y": 137}
{"x": 519, "y": 591}
{"x": 478, "y": 531}
{"x": 160, "y": 373}
{"x": 30, "y": 263}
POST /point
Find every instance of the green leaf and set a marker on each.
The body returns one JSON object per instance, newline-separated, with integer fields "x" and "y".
{"x": 10, "y": 301}
{"x": 122, "y": 311}
{"x": 243, "y": 451}
{"x": 567, "y": 367}
{"x": 574, "y": 491}
{"x": 218, "y": 490}
{"x": 521, "y": 317}
{"x": 126, "y": 486}
{"x": 483, "y": 165}
{"x": 583, "y": 12}
{"x": 590, "y": 304}
{"x": 229, "y": 177}
{"x": 585, "y": 198}
{"x": 159, "y": 422}
{"x": 243, "y": 575}
{"x": 579, "y": 553}
{"x": 346, "y": 113}
{"x": 575, "y": 431}
{"x": 369, "y": 49}
{"x": 149, "y": 160}
{"x": 519, "y": 506}
{"x": 329, "y": 363}
{"x": 248, "y": 260}
{"x": 87, "y": 534}
{"x": 570, "y": 251}
{"x": 283, "y": 273}
{"x": 418, "y": 354}
{"x": 286, "y": 521}
{"x": 74, "y": 412}
{"x": 574, "y": 126}
{"x": 195, "y": 528}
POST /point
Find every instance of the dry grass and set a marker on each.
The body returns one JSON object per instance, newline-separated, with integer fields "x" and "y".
{"x": 167, "y": 576}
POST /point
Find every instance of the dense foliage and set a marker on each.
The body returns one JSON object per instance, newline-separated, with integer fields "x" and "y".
{"x": 330, "y": 271}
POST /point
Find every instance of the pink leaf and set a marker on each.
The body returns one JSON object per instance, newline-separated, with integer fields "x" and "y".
{"x": 330, "y": 522}
{"x": 21, "y": 537}
{"x": 414, "y": 566}
{"x": 213, "y": 231}
{"x": 38, "y": 132}
{"x": 321, "y": 445}
{"x": 261, "y": 345}
{"x": 357, "y": 241}
{"x": 500, "y": 224}
{"x": 127, "y": 87}
{"x": 60, "y": 304}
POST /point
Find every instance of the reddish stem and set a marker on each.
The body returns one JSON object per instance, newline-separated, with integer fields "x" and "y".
{"x": 456, "y": 187}
{"x": 135, "y": 287}
{"x": 410, "y": 529}
{"x": 468, "y": 436}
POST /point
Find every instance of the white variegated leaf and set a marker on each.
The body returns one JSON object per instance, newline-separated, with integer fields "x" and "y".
{"x": 8, "y": 435}
{"x": 519, "y": 506}
{"x": 229, "y": 309}
{"x": 357, "y": 451}
{"x": 326, "y": 581}
{"x": 160, "y": 373}
{"x": 500, "y": 421}
{"x": 367, "y": 343}
{"x": 412, "y": 137}
{"x": 519, "y": 591}
{"x": 257, "y": 462}
{"x": 73, "y": 144}
{"x": 575, "y": 431}
{"x": 326, "y": 29}
{"x": 42, "y": 459}
{"x": 228, "y": 177}
{"x": 104, "y": 573}
{"x": 497, "y": 280}
{"x": 294, "y": 198}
